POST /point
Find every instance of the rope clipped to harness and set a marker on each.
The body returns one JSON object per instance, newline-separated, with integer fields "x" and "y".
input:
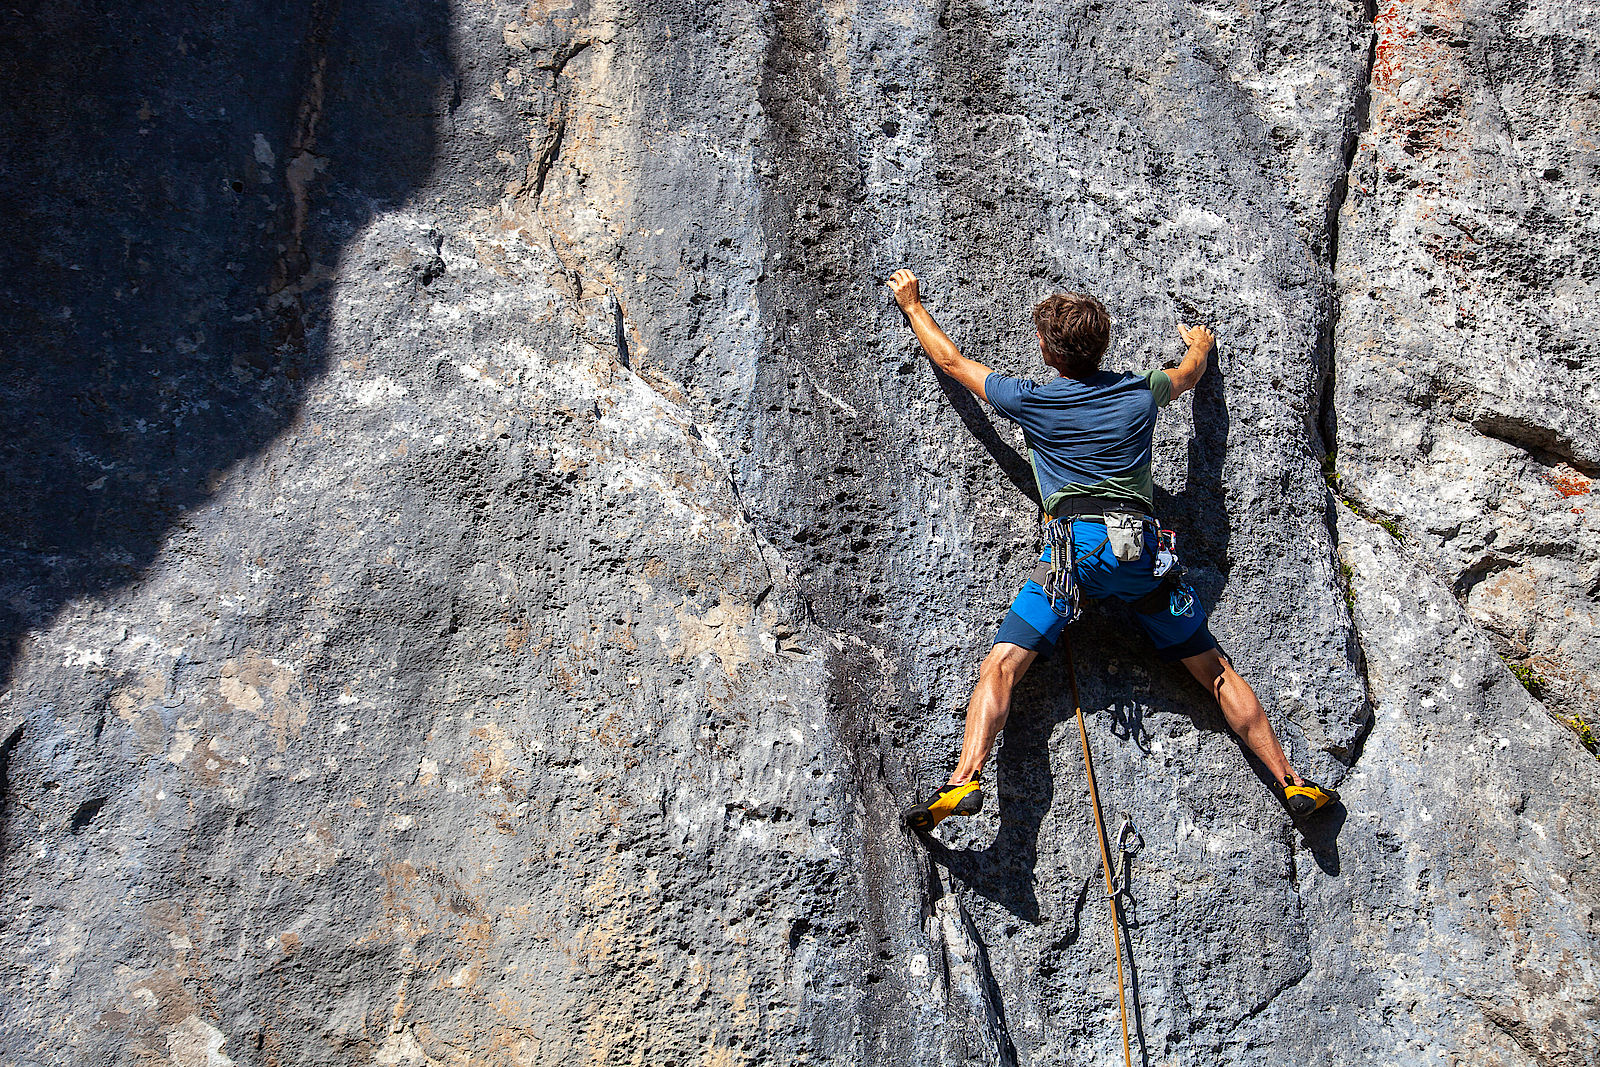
{"x": 1105, "y": 849}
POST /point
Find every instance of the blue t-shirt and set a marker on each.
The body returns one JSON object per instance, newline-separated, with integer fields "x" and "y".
{"x": 1089, "y": 437}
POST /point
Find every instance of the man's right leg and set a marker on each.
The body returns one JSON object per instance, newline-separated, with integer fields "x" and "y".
{"x": 989, "y": 706}
{"x": 1030, "y": 627}
{"x": 987, "y": 709}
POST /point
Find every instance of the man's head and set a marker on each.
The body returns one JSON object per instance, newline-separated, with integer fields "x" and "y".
{"x": 1073, "y": 331}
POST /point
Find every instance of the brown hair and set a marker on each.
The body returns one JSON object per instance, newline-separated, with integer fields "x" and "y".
{"x": 1075, "y": 330}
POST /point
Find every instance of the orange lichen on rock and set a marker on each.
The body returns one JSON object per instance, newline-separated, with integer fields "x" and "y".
{"x": 1417, "y": 70}
{"x": 1568, "y": 483}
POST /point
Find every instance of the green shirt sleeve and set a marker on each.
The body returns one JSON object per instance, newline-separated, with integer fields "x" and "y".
{"x": 1160, "y": 386}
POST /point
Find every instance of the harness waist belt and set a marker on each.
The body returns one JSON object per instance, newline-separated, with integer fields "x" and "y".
{"x": 1092, "y": 508}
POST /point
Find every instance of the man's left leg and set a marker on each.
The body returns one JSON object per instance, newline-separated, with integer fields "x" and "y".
{"x": 1243, "y": 711}
{"x": 1246, "y": 717}
{"x": 1184, "y": 636}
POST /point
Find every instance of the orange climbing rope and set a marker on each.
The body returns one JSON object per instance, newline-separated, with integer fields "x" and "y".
{"x": 1105, "y": 850}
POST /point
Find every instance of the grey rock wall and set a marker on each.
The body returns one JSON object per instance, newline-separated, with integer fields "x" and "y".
{"x": 1466, "y": 403}
{"x": 485, "y": 564}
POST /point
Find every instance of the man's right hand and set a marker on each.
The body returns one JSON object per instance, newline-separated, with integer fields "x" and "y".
{"x": 1197, "y": 337}
{"x": 903, "y": 284}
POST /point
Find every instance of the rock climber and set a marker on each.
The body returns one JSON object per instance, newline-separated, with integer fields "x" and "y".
{"x": 1089, "y": 434}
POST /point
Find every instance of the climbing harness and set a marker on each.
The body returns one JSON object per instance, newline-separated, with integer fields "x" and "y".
{"x": 1105, "y": 849}
{"x": 1125, "y": 532}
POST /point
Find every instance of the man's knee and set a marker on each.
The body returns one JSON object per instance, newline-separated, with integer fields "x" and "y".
{"x": 1209, "y": 669}
{"x": 1005, "y": 663}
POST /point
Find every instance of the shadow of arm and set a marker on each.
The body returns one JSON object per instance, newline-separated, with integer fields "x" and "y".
{"x": 1015, "y": 466}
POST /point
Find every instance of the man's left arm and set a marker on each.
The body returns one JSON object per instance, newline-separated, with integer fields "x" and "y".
{"x": 941, "y": 350}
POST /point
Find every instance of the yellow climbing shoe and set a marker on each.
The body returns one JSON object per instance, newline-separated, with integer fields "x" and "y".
{"x": 963, "y": 799}
{"x": 1304, "y": 799}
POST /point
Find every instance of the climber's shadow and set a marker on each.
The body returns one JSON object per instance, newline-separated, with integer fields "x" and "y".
{"x": 1012, "y": 463}
{"x": 1321, "y": 836}
{"x": 1200, "y": 513}
{"x": 1004, "y": 870}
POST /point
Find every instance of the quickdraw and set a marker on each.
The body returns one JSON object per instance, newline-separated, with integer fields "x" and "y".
{"x": 1061, "y": 584}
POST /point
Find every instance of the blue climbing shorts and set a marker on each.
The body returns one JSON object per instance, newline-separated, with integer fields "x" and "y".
{"x": 1033, "y": 625}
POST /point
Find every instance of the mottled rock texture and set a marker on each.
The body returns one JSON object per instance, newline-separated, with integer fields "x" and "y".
{"x": 484, "y": 563}
{"x": 1467, "y": 407}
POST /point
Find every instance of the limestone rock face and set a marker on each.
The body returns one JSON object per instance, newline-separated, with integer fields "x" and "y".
{"x": 485, "y": 563}
{"x": 1467, "y": 408}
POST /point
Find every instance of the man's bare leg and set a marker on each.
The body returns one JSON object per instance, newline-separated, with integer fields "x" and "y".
{"x": 989, "y": 705}
{"x": 1243, "y": 710}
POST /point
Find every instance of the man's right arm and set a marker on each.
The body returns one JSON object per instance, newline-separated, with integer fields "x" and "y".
{"x": 1187, "y": 374}
{"x": 940, "y": 349}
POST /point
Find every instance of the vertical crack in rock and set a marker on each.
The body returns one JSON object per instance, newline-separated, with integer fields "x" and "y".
{"x": 1326, "y": 430}
{"x": 301, "y": 167}
{"x": 1327, "y": 419}
{"x": 968, "y": 972}
{"x": 991, "y": 1002}
{"x": 550, "y": 149}
{"x": 13, "y": 739}
{"x": 622, "y": 336}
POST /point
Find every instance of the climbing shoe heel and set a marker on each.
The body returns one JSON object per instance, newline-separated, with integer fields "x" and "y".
{"x": 963, "y": 799}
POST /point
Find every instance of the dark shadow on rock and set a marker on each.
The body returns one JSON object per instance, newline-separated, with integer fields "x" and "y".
{"x": 6, "y": 747}
{"x": 1321, "y": 835}
{"x": 1199, "y": 514}
{"x": 1127, "y": 724}
{"x": 1012, "y": 463}
{"x": 178, "y": 183}
{"x": 1004, "y": 871}
{"x": 1127, "y": 903}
